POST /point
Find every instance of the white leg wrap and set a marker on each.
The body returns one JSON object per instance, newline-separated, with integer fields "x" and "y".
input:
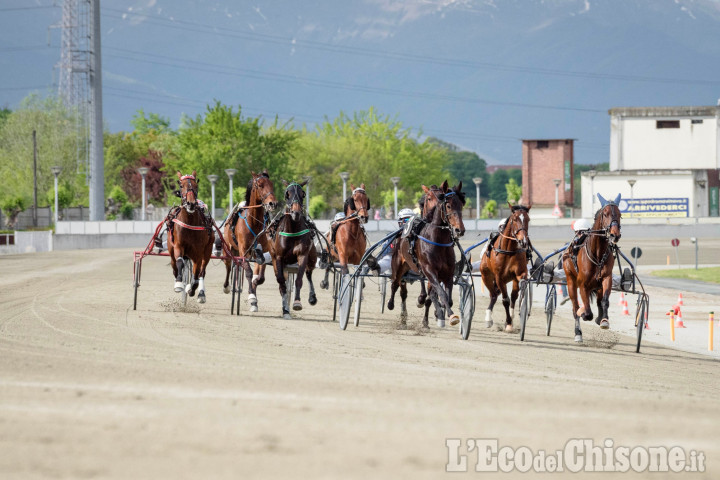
{"x": 255, "y": 277}
{"x": 202, "y": 284}
{"x": 512, "y": 313}
{"x": 252, "y": 296}
{"x": 488, "y": 315}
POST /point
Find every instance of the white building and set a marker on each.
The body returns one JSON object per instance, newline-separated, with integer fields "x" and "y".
{"x": 670, "y": 155}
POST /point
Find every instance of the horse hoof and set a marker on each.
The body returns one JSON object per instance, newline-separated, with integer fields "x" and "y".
{"x": 226, "y": 289}
{"x": 578, "y": 338}
{"x": 454, "y": 319}
{"x": 390, "y": 305}
{"x": 489, "y": 324}
{"x": 323, "y": 284}
{"x": 188, "y": 287}
{"x": 297, "y": 305}
{"x": 580, "y": 311}
{"x": 312, "y": 300}
{"x": 509, "y": 328}
{"x": 253, "y": 308}
{"x": 178, "y": 287}
{"x": 201, "y": 297}
{"x": 287, "y": 316}
{"x": 441, "y": 322}
{"x": 604, "y": 324}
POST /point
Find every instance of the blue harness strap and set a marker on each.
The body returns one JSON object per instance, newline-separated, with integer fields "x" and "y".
{"x": 427, "y": 240}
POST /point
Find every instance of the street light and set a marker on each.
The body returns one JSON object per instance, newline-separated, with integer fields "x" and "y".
{"x": 557, "y": 212}
{"x": 307, "y": 197}
{"x": 478, "y": 181}
{"x": 143, "y": 171}
{"x": 395, "y": 181}
{"x": 632, "y": 195}
{"x": 592, "y": 174}
{"x": 344, "y": 176}
{"x": 56, "y": 171}
{"x": 213, "y": 180}
{"x": 230, "y": 172}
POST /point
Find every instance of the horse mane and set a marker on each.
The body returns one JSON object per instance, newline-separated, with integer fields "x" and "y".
{"x": 349, "y": 203}
{"x": 515, "y": 208}
{"x": 461, "y": 196}
{"x": 248, "y": 190}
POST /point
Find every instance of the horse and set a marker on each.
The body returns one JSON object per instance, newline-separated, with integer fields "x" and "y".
{"x": 432, "y": 254}
{"x": 292, "y": 242}
{"x": 245, "y": 230}
{"x": 190, "y": 236}
{"x": 349, "y": 242}
{"x": 506, "y": 261}
{"x": 591, "y": 270}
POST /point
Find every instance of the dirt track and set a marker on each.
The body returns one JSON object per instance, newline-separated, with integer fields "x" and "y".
{"x": 90, "y": 388}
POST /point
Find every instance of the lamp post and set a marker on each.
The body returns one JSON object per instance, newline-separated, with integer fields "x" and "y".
{"x": 395, "y": 181}
{"x": 478, "y": 181}
{"x": 143, "y": 171}
{"x": 557, "y": 212}
{"x": 230, "y": 172}
{"x": 213, "y": 180}
{"x": 56, "y": 171}
{"x": 592, "y": 174}
{"x": 307, "y": 197}
{"x": 344, "y": 176}
{"x": 631, "y": 182}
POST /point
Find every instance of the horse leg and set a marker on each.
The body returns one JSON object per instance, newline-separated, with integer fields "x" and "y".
{"x": 200, "y": 275}
{"x": 312, "y": 298}
{"x": 226, "y": 285}
{"x": 429, "y": 300}
{"x": 252, "y": 298}
{"x": 178, "y": 271}
{"x": 324, "y": 283}
{"x": 585, "y": 311}
{"x": 492, "y": 291}
{"x": 605, "y": 302}
{"x": 302, "y": 263}
{"x": 514, "y": 294}
{"x": 280, "y": 277}
{"x": 572, "y": 293}
{"x": 423, "y": 294}
{"x": 403, "y": 304}
{"x": 192, "y": 288}
{"x": 506, "y": 304}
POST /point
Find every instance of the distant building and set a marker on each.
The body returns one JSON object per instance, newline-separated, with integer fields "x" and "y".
{"x": 494, "y": 168}
{"x": 544, "y": 162}
{"x": 670, "y": 155}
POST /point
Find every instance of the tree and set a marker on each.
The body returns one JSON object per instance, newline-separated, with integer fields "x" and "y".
{"x": 497, "y": 190}
{"x": 514, "y": 191}
{"x": 464, "y": 165}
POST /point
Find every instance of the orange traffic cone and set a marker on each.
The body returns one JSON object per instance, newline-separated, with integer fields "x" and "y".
{"x": 622, "y": 299}
{"x": 679, "y": 323}
{"x": 625, "y": 308}
{"x": 680, "y": 302}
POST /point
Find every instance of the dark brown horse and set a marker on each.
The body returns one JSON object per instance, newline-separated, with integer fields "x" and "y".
{"x": 245, "y": 232}
{"x": 190, "y": 236}
{"x": 507, "y": 261}
{"x": 591, "y": 270}
{"x": 292, "y": 242}
{"x": 432, "y": 255}
{"x": 349, "y": 244}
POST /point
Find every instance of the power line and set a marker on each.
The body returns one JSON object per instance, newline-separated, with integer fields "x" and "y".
{"x": 38, "y": 7}
{"x": 216, "y": 30}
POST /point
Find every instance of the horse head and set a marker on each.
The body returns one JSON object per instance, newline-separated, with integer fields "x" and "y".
{"x": 518, "y": 224}
{"x": 188, "y": 190}
{"x": 453, "y": 202}
{"x": 294, "y": 198}
{"x": 261, "y": 184}
{"x": 607, "y": 218}
{"x": 359, "y": 202}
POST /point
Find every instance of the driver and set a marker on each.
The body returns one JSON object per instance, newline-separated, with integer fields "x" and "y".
{"x": 382, "y": 264}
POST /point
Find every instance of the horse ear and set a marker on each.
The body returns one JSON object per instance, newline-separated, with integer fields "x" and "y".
{"x": 617, "y": 200}
{"x": 179, "y": 175}
{"x": 509, "y": 205}
{"x": 253, "y": 174}
{"x": 352, "y": 186}
{"x": 529, "y": 207}
{"x": 425, "y": 189}
{"x": 444, "y": 186}
{"x": 194, "y": 174}
{"x": 603, "y": 202}
{"x": 304, "y": 183}
{"x": 265, "y": 171}
{"x": 362, "y": 185}
{"x": 285, "y": 182}
{"x": 459, "y": 187}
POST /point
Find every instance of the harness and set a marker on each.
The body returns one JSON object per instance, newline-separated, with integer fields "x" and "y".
{"x": 514, "y": 237}
{"x": 414, "y": 233}
{"x": 610, "y": 249}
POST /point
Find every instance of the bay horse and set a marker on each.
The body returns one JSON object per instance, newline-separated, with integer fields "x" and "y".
{"x": 591, "y": 270}
{"x": 244, "y": 231}
{"x": 507, "y": 261}
{"x": 292, "y": 242}
{"x": 190, "y": 236}
{"x": 432, "y": 255}
{"x": 350, "y": 243}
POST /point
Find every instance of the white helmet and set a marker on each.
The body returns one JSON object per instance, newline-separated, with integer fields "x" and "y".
{"x": 405, "y": 213}
{"x": 339, "y": 216}
{"x": 582, "y": 224}
{"x": 502, "y": 223}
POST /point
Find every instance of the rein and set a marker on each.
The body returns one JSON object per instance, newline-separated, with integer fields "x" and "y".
{"x": 185, "y": 225}
{"x": 427, "y": 240}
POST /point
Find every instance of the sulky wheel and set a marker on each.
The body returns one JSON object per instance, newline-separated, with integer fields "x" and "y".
{"x": 187, "y": 279}
{"x": 524, "y": 307}
{"x": 359, "y": 281}
{"x": 136, "y": 283}
{"x": 640, "y": 315}
{"x": 550, "y": 303}
{"x": 344, "y": 300}
{"x": 467, "y": 308}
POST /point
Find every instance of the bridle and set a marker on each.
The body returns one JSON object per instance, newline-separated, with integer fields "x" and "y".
{"x": 444, "y": 215}
{"x": 359, "y": 210}
{"x": 256, "y": 187}
{"x": 188, "y": 188}
{"x": 511, "y": 222}
{"x": 295, "y": 197}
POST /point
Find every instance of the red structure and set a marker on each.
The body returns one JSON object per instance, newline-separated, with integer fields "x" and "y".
{"x": 544, "y": 161}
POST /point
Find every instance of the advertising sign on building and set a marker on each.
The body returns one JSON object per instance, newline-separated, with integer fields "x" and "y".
{"x": 714, "y": 202}
{"x": 655, "y": 207}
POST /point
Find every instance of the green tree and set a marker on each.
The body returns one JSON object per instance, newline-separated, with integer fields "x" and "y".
{"x": 464, "y": 165}
{"x": 514, "y": 191}
{"x": 489, "y": 210}
{"x": 497, "y": 190}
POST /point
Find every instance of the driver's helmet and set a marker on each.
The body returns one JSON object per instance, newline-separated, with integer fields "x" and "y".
{"x": 582, "y": 224}
{"x": 404, "y": 215}
{"x": 339, "y": 216}
{"x": 501, "y": 225}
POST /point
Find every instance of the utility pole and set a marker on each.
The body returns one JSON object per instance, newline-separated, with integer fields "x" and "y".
{"x": 35, "y": 221}
{"x": 97, "y": 163}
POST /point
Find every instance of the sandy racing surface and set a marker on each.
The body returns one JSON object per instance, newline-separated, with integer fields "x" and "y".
{"x": 90, "y": 388}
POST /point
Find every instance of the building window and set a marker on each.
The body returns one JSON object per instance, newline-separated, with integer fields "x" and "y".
{"x": 543, "y": 144}
{"x": 695, "y": 121}
{"x": 668, "y": 124}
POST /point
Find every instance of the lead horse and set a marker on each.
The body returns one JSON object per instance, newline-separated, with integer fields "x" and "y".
{"x": 507, "y": 261}
{"x": 590, "y": 271}
{"x": 292, "y": 242}
{"x": 432, "y": 254}
{"x": 190, "y": 236}
{"x": 245, "y": 231}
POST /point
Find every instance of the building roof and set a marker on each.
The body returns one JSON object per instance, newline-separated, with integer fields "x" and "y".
{"x": 549, "y": 139}
{"x": 493, "y": 168}
{"x": 701, "y": 111}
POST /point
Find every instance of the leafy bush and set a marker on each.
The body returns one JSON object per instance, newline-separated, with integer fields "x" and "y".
{"x": 318, "y": 206}
{"x": 490, "y": 209}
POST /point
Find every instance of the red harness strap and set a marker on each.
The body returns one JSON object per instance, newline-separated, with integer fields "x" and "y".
{"x": 185, "y": 225}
